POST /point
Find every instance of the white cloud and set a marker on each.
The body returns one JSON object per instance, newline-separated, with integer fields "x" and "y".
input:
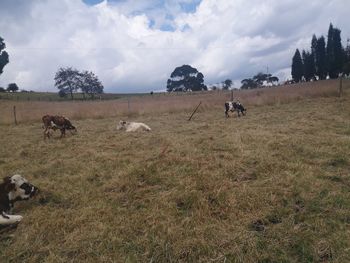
{"x": 125, "y": 45}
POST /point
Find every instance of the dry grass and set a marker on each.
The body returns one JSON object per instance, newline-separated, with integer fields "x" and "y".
{"x": 28, "y": 111}
{"x": 272, "y": 186}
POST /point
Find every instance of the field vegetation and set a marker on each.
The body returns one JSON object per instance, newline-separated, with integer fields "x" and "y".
{"x": 272, "y": 186}
{"x": 133, "y": 105}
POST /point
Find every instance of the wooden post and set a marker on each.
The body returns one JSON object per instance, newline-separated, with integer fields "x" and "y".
{"x": 194, "y": 111}
{"x": 14, "y": 114}
{"x": 128, "y": 104}
{"x": 231, "y": 95}
{"x": 341, "y": 86}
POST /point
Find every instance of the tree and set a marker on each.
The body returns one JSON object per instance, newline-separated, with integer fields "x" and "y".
{"x": 227, "y": 84}
{"x": 67, "y": 80}
{"x": 12, "y": 87}
{"x": 258, "y": 81}
{"x": 272, "y": 79}
{"x": 309, "y": 65}
{"x": 186, "y": 78}
{"x": 297, "y": 67}
{"x": 334, "y": 53}
{"x": 313, "y": 54}
{"x": 4, "y": 57}
{"x": 249, "y": 84}
{"x": 321, "y": 67}
{"x": 90, "y": 84}
{"x": 2, "y": 89}
{"x": 62, "y": 93}
{"x": 346, "y": 66}
{"x": 260, "y": 78}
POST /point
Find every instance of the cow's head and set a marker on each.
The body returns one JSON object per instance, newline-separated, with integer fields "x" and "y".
{"x": 22, "y": 190}
{"x": 121, "y": 125}
{"x": 68, "y": 125}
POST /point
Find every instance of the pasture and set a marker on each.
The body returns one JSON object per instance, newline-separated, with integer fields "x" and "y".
{"x": 272, "y": 186}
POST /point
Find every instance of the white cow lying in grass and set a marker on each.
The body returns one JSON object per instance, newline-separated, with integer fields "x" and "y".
{"x": 132, "y": 126}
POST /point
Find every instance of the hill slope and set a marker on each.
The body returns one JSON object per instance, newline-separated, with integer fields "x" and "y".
{"x": 272, "y": 186}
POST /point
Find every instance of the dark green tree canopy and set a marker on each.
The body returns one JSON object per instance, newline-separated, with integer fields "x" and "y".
{"x": 325, "y": 60}
{"x": 309, "y": 65}
{"x": 12, "y": 87}
{"x": 272, "y": 79}
{"x": 186, "y": 78}
{"x": 227, "y": 84}
{"x": 346, "y": 67}
{"x": 335, "y": 53}
{"x": 249, "y": 84}
{"x": 4, "y": 57}
{"x": 258, "y": 81}
{"x": 90, "y": 84}
{"x": 297, "y": 67}
{"x": 67, "y": 80}
{"x": 321, "y": 67}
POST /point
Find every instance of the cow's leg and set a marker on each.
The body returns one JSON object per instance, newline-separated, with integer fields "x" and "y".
{"x": 63, "y": 132}
{"x": 47, "y": 133}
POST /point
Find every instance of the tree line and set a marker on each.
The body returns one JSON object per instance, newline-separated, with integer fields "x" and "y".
{"x": 323, "y": 60}
{"x": 259, "y": 81}
{"x": 69, "y": 80}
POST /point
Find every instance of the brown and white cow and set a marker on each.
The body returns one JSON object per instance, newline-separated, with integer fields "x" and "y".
{"x": 13, "y": 189}
{"x": 52, "y": 122}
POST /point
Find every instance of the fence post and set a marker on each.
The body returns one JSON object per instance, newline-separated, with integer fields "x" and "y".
{"x": 231, "y": 95}
{"x": 194, "y": 111}
{"x": 14, "y": 114}
{"x": 128, "y": 104}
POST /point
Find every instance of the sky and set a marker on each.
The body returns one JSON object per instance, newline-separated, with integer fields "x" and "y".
{"x": 133, "y": 46}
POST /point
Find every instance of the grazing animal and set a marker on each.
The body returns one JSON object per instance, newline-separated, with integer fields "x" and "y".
{"x": 57, "y": 122}
{"x": 234, "y": 106}
{"x": 132, "y": 126}
{"x": 13, "y": 189}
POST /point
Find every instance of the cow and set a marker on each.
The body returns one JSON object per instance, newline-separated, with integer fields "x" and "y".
{"x": 132, "y": 126}
{"x": 234, "y": 106}
{"x": 57, "y": 122}
{"x": 13, "y": 189}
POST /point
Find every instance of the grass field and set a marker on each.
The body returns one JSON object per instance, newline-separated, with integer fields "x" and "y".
{"x": 272, "y": 186}
{"x": 53, "y": 96}
{"x": 138, "y": 105}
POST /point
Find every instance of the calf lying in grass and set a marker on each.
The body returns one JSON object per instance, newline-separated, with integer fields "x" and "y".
{"x": 132, "y": 126}
{"x": 12, "y": 189}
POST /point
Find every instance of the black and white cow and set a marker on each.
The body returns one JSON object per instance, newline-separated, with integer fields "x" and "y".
{"x": 13, "y": 189}
{"x": 234, "y": 106}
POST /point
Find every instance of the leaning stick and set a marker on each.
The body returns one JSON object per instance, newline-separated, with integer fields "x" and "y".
{"x": 194, "y": 111}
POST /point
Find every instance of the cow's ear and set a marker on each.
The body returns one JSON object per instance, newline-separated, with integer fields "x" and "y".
{"x": 7, "y": 179}
{"x": 9, "y": 186}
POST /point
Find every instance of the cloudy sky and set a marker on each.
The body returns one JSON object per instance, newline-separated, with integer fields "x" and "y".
{"x": 133, "y": 46}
